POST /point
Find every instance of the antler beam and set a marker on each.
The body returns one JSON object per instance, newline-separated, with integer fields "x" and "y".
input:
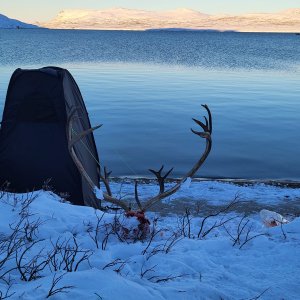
{"x": 71, "y": 141}
{"x": 206, "y": 134}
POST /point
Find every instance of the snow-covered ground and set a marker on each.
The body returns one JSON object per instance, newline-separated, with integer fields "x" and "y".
{"x": 241, "y": 259}
{"x": 216, "y": 192}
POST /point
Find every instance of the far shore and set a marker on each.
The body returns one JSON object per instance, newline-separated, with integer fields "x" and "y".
{"x": 171, "y": 30}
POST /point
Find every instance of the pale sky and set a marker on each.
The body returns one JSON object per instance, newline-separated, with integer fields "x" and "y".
{"x": 40, "y": 10}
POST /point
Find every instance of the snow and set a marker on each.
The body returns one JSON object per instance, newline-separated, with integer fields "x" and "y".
{"x": 98, "y": 193}
{"x": 186, "y": 184}
{"x": 176, "y": 264}
{"x": 133, "y": 19}
{"x": 217, "y": 192}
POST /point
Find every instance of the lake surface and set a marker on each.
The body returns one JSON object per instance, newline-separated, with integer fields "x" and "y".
{"x": 146, "y": 86}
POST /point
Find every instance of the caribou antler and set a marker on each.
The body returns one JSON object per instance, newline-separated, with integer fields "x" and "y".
{"x": 71, "y": 141}
{"x": 161, "y": 179}
{"x": 206, "y": 134}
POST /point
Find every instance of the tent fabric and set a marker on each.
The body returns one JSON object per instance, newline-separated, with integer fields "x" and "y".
{"x": 33, "y": 136}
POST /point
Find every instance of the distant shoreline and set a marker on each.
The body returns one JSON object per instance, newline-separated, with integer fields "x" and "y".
{"x": 173, "y": 30}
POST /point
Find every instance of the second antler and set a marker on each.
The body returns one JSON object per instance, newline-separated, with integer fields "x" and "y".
{"x": 205, "y": 133}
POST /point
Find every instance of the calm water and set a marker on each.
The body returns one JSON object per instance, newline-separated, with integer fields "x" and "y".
{"x": 145, "y": 87}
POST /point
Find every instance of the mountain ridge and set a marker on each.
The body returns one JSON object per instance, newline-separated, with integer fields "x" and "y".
{"x": 8, "y": 23}
{"x": 119, "y": 18}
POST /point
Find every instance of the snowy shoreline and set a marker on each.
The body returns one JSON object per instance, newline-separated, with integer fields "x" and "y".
{"x": 290, "y": 183}
{"x": 210, "y": 194}
{"x": 178, "y": 260}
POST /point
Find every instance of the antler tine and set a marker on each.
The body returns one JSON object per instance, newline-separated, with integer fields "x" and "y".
{"x": 136, "y": 195}
{"x": 105, "y": 179}
{"x": 201, "y": 134}
{"x": 209, "y": 117}
{"x": 206, "y": 121}
{"x": 160, "y": 178}
{"x": 82, "y": 134}
{"x": 107, "y": 196}
{"x": 204, "y": 127}
{"x": 106, "y": 174}
{"x": 168, "y": 173}
{"x": 207, "y": 135}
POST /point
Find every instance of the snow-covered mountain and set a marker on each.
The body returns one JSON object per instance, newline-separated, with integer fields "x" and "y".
{"x": 122, "y": 18}
{"x": 8, "y": 23}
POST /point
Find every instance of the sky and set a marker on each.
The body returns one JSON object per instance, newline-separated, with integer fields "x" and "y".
{"x": 41, "y": 10}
